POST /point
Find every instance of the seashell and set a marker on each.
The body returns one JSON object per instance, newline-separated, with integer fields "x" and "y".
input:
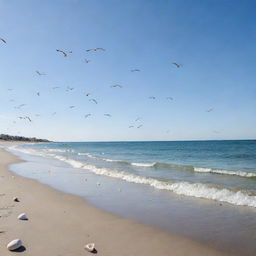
{"x": 22, "y": 216}
{"x": 14, "y": 244}
{"x": 90, "y": 247}
{"x": 16, "y": 199}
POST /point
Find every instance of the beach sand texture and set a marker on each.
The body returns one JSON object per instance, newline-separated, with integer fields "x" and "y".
{"x": 61, "y": 224}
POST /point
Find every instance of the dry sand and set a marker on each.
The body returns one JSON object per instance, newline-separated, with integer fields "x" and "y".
{"x": 60, "y": 224}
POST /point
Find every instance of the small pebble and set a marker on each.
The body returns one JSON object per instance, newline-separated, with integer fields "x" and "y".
{"x": 14, "y": 244}
{"x": 22, "y": 216}
{"x": 90, "y": 247}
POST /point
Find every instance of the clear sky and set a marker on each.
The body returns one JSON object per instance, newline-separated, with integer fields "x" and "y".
{"x": 214, "y": 40}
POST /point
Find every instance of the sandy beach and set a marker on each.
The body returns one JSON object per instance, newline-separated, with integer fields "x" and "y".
{"x": 61, "y": 224}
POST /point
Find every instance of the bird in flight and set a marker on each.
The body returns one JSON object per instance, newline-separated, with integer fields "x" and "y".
{"x": 135, "y": 70}
{"x": 169, "y": 98}
{"x": 93, "y": 100}
{"x": 38, "y": 93}
{"x": 20, "y": 106}
{"x": 56, "y": 87}
{"x": 87, "y": 61}
{"x": 54, "y": 113}
{"x": 28, "y": 118}
{"x": 87, "y": 115}
{"x": 69, "y": 89}
{"x": 137, "y": 119}
{"x": 25, "y": 117}
{"x": 2, "y": 40}
{"x": 71, "y": 106}
{"x": 10, "y": 89}
{"x": 65, "y": 54}
{"x": 209, "y": 110}
{"x": 139, "y": 126}
{"x": 176, "y": 64}
{"x": 131, "y": 126}
{"x": 107, "y": 115}
{"x": 116, "y": 85}
{"x": 152, "y": 97}
{"x": 87, "y": 94}
{"x": 95, "y": 49}
{"x": 40, "y": 74}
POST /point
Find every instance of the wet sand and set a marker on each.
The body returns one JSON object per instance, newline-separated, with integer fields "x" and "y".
{"x": 60, "y": 224}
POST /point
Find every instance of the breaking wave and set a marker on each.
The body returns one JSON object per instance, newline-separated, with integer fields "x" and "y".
{"x": 225, "y": 172}
{"x": 199, "y": 190}
{"x": 241, "y": 198}
{"x": 157, "y": 165}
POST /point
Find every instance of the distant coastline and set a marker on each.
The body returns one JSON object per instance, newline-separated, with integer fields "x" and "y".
{"x": 6, "y": 137}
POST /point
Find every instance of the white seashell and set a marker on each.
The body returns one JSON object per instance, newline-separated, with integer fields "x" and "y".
{"x": 23, "y": 216}
{"x": 15, "y": 199}
{"x": 90, "y": 247}
{"x": 14, "y": 244}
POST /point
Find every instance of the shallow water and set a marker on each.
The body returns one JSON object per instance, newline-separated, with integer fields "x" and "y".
{"x": 90, "y": 171}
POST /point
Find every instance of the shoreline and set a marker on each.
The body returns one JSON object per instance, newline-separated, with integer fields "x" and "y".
{"x": 61, "y": 224}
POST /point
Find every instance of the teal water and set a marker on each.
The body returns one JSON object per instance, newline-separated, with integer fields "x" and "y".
{"x": 204, "y": 190}
{"x": 215, "y": 170}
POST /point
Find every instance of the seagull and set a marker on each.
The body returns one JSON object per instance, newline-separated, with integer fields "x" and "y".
{"x": 137, "y": 119}
{"x": 135, "y": 70}
{"x": 56, "y": 87}
{"x": 117, "y": 85}
{"x": 176, "y": 64}
{"x": 28, "y": 118}
{"x": 169, "y": 98}
{"x": 93, "y": 100}
{"x": 2, "y": 40}
{"x": 71, "y": 106}
{"x": 139, "y": 126}
{"x": 20, "y": 106}
{"x": 152, "y": 97}
{"x": 131, "y": 126}
{"x": 10, "y": 89}
{"x": 25, "y": 117}
{"x": 87, "y": 115}
{"x": 107, "y": 115}
{"x": 38, "y": 94}
{"x": 40, "y": 74}
{"x": 69, "y": 89}
{"x": 64, "y": 53}
{"x": 87, "y": 94}
{"x": 209, "y": 110}
{"x": 95, "y": 49}
{"x": 87, "y": 61}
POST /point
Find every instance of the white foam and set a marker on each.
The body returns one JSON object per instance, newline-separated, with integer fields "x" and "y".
{"x": 144, "y": 164}
{"x": 241, "y": 198}
{"x": 236, "y": 173}
{"x": 111, "y": 160}
{"x": 58, "y": 150}
{"x": 88, "y": 155}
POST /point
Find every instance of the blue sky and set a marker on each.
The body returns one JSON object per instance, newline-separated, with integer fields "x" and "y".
{"x": 213, "y": 40}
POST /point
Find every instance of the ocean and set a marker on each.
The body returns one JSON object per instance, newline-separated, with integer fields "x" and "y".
{"x": 205, "y": 190}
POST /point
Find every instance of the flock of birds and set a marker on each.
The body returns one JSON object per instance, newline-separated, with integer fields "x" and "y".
{"x": 87, "y": 94}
